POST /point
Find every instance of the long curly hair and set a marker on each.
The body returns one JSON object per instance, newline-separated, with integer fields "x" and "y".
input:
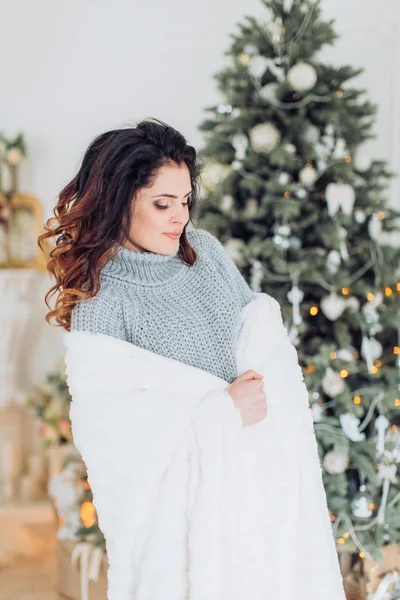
{"x": 93, "y": 211}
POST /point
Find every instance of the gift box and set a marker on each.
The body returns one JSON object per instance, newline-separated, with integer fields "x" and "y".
{"x": 375, "y": 571}
{"x": 74, "y": 574}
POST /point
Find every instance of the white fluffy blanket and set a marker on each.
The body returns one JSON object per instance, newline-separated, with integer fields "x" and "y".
{"x": 193, "y": 505}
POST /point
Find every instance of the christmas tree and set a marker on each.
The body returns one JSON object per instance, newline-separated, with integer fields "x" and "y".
{"x": 300, "y": 207}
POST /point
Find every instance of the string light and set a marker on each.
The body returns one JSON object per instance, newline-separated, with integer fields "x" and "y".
{"x": 244, "y": 59}
{"x": 398, "y": 287}
{"x": 309, "y": 369}
{"x": 397, "y": 401}
{"x": 374, "y": 370}
{"x": 345, "y": 291}
{"x": 344, "y": 373}
{"x": 378, "y": 363}
{"x": 347, "y": 159}
{"x": 370, "y": 296}
{"x": 287, "y": 194}
{"x": 357, "y": 400}
{"x": 333, "y": 355}
{"x": 88, "y": 514}
{"x": 314, "y": 310}
{"x": 381, "y": 215}
{"x": 339, "y": 93}
{"x": 396, "y": 350}
{"x": 388, "y": 291}
{"x": 361, "y": 555}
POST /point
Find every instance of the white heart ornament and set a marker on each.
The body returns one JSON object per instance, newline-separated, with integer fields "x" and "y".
{"x": 333, "y": 306}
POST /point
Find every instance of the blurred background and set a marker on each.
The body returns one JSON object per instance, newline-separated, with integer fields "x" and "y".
{"x": 71, "y": 71}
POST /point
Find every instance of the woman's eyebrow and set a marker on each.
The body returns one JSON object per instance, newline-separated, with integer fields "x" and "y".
{"x": 171, "y": 195}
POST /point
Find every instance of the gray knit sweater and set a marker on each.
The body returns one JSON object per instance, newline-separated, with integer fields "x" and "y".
{"x": 155, "y": 301}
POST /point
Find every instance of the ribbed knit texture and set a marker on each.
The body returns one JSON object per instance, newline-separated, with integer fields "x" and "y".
{"x": 189, "y": 313}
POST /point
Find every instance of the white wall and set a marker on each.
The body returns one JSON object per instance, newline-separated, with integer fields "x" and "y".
{"x": 71, "y": 70}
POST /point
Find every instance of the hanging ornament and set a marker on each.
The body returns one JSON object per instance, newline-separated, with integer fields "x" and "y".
{"x": 381, "y": 424}
{"x": 302, "y": 76}
{"x": 353, "y": 303}
{"x": 333, "y": 306}
{"x": 212, "y": 174}
{"x": 340, "y": 150}
{"x": 339, "y": 195}
{"x": 308, "y": 176}
{"x": 375, "y": 227}
{"x": 345, "y": 354}
{"x": 251, "y": 207}
{"x": 342, "y": 233}
{"x": 333, "y": 261}
{"x": 275, "y": 30}
{"x": 295, "y": 242}
{"x": 371, "y": 350}
{"x": 284, "y": 178}
{"x": 317, "y": 412}
{"x": 350, "y": 425}
{"x": 387, "y": 472}
{"x": 257, "y": 66}
{"x": 360, "y": 216}
{"x": 236, "y": 165}
{"x": 256, "y": 276}
{"x": 295, "y": 296}
{"x": 281, "y": 236}
{"x": 361, "y": 162}
{"x": 240, "y": 144}
{"x": 269, "y": 92}
{"x": 301, "y": 193}
{"x": 332, "y": 383}
{"x": 290, "y": 148}
{"x": 234, "y": 248}
{"x": 311, "y": 134}
{"x": 335, "y": 462}
{"x": 360, "y": 505}
{"x": 287, "y": 5}
{"x": 293, "y": 335}
{"x": 250, "y": 49}
{"x": 226, "y": 203}
{"x": 264, "y": 137}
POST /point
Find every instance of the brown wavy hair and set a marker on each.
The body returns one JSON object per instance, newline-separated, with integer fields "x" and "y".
{"x": 93, "y": 211}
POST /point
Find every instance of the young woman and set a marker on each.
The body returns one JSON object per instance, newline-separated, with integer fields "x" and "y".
{"x": 171, "y": 360}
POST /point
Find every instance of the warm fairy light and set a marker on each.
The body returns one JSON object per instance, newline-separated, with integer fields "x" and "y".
{"x": 332, "y": 516}
{"x": 378, "y": 363}
{"x": 339, "y": 93}
{"x": 344, "y": 373}
{"x": 374, "y": 370}
{"x": 244, "y": 59}
{"x": 398, "y": 287}
{"x": 309, "y": 369}
{"x": 347, "y": 159}
{"x": 372, "y": 506}
{"x": 287, "y": 194}
{"x": 370, "y": 296}
{"x": 381, "y": 215}
{"x": 346, "y": 535}
{"x": 88, "y": 514}
{"x": 314, "y": 310}
{"x": 388, "y": 291}
{"x": 397, "y": 401}
{"x": 345, "y": 291}
{"x": 361, "y": 555}
{"x": 333, "y": 355}
{"x": 357, "y": 400}
{"x": 341, "y": 541}
{"x": 396, "y": 350}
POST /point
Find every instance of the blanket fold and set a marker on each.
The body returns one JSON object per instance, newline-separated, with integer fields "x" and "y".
{"x": 193, "y": 505}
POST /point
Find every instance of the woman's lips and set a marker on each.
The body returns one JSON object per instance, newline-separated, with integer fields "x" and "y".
{"x": 173, "y": 236}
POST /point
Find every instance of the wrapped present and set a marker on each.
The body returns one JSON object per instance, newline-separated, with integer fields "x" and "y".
{"x": 82, "y": 571}
{"x": 351, "y": 567}
{"x": 376, "y": 571}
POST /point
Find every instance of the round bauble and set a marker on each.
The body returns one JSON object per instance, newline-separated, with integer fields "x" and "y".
{"x": 302, "y": 76}
{"x": 264, "y": 137}
{"x": 308, "y": 176}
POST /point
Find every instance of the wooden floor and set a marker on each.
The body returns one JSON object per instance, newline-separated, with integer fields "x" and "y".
{"x": 24, "y": 578}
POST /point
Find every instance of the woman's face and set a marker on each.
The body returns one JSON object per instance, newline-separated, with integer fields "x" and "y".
{"x": 161, "y": 209}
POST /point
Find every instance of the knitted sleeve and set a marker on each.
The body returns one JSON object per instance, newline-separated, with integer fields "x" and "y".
{"x": 104, "y": 313}
{"x": 210, "y": 244}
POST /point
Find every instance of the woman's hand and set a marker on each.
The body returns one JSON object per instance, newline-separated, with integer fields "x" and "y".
{"x": 248, "y": 394}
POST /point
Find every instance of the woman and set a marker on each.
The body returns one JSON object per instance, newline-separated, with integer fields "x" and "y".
{"x": 171, "y": 359}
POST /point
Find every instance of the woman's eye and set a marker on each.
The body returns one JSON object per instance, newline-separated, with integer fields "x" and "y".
{"x": 188, "y": 203}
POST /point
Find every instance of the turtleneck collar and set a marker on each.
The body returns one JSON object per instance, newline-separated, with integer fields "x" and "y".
{"x": 144, "y": 268}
